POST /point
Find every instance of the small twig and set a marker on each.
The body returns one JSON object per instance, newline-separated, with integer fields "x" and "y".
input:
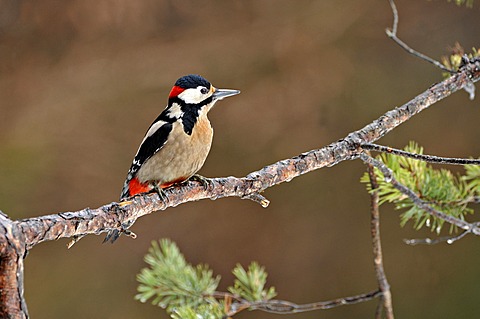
{"x": 446, "y": 239}
{"x": 422, "y": 157}
{"x": 286, "y": 307}
{"x": 470, "y": 89}
{"x": 392, "y": 34}
{"x": 395, "y": 17}
{"x": 434, "y": 241}
{"x": 377, "y": 249}
{"x": 389, "y": 178}
{"x": 258, "y": 198}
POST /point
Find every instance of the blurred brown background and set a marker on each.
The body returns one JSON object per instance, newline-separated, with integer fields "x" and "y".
{"x": 81, "y": 80}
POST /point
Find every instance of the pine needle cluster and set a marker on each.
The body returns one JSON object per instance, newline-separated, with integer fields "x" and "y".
{"x": 189, "y": 292}
{"x": 450, "y": 193}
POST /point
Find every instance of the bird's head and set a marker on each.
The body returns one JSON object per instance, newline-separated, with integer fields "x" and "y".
{"x": 196, "y": 91}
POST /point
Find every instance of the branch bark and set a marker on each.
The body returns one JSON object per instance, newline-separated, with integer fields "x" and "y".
{"x": 12, "y": 253}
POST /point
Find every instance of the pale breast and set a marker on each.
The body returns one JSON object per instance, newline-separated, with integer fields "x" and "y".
{"x": 182, "y": 156}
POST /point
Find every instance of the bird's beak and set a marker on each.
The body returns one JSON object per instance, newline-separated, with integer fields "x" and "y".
{"x": 220, "y": 94}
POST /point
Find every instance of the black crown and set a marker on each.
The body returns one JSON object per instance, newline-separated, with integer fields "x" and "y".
{"x": 192, "y": 81}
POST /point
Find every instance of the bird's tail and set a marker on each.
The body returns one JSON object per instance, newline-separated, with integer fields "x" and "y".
{"x": 133, "y": 186}
{"x": 125, "y": 190}
{"x": 113, "y": 234}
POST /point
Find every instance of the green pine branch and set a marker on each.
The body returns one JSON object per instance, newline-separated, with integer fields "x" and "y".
{"x": 443, "y": 190}
{"x": 170, "y": 281}
{"x": 250, "y": 284}
{"x": 188, "y": 292}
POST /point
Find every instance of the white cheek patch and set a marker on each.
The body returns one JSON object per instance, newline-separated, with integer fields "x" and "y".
{"x": 190, "y": 96}
{"x": 193, "y": 96}
{"x": 175, "y": 111}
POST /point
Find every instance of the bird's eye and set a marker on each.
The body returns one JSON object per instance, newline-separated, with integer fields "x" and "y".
{"x": 204, "y": 90}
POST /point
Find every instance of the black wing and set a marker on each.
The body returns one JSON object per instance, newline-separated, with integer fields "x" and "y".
{"x": 151, "y": 145}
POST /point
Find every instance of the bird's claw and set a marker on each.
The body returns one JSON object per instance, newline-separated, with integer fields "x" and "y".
{"x": 113, "y": 234}
{"x": 123, "y": 228}
{"x": 206, "y": 182}
{"x": 161, "y": 193}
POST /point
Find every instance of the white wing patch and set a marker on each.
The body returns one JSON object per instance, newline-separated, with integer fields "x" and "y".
{"x": 155, "y": 126}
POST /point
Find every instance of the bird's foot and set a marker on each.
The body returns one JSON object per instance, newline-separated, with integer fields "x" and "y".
{"x": 206, "y": 182}
{"x": 114, "y": 233}
{"x": 161, "y": 193}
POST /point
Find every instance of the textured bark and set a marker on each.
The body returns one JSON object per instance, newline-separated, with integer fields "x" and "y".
{"x": 17, "y": 237}
{"x": 12, "y": 253}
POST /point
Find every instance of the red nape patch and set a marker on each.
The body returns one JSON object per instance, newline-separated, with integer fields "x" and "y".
{"x": 135, "y": 187}
{"x": 176, "y": 90}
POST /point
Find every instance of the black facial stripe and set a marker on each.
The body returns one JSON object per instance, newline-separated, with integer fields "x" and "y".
{"x": 190, "y": 112}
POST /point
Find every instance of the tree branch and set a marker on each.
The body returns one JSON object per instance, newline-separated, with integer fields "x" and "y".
{"x": 123, "y": 215}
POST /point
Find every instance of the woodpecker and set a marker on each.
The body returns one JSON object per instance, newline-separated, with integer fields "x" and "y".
{"x": 177, "y": 143}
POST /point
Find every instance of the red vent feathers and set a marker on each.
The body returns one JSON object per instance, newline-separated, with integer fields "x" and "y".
{"x": 135, "y": 187}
